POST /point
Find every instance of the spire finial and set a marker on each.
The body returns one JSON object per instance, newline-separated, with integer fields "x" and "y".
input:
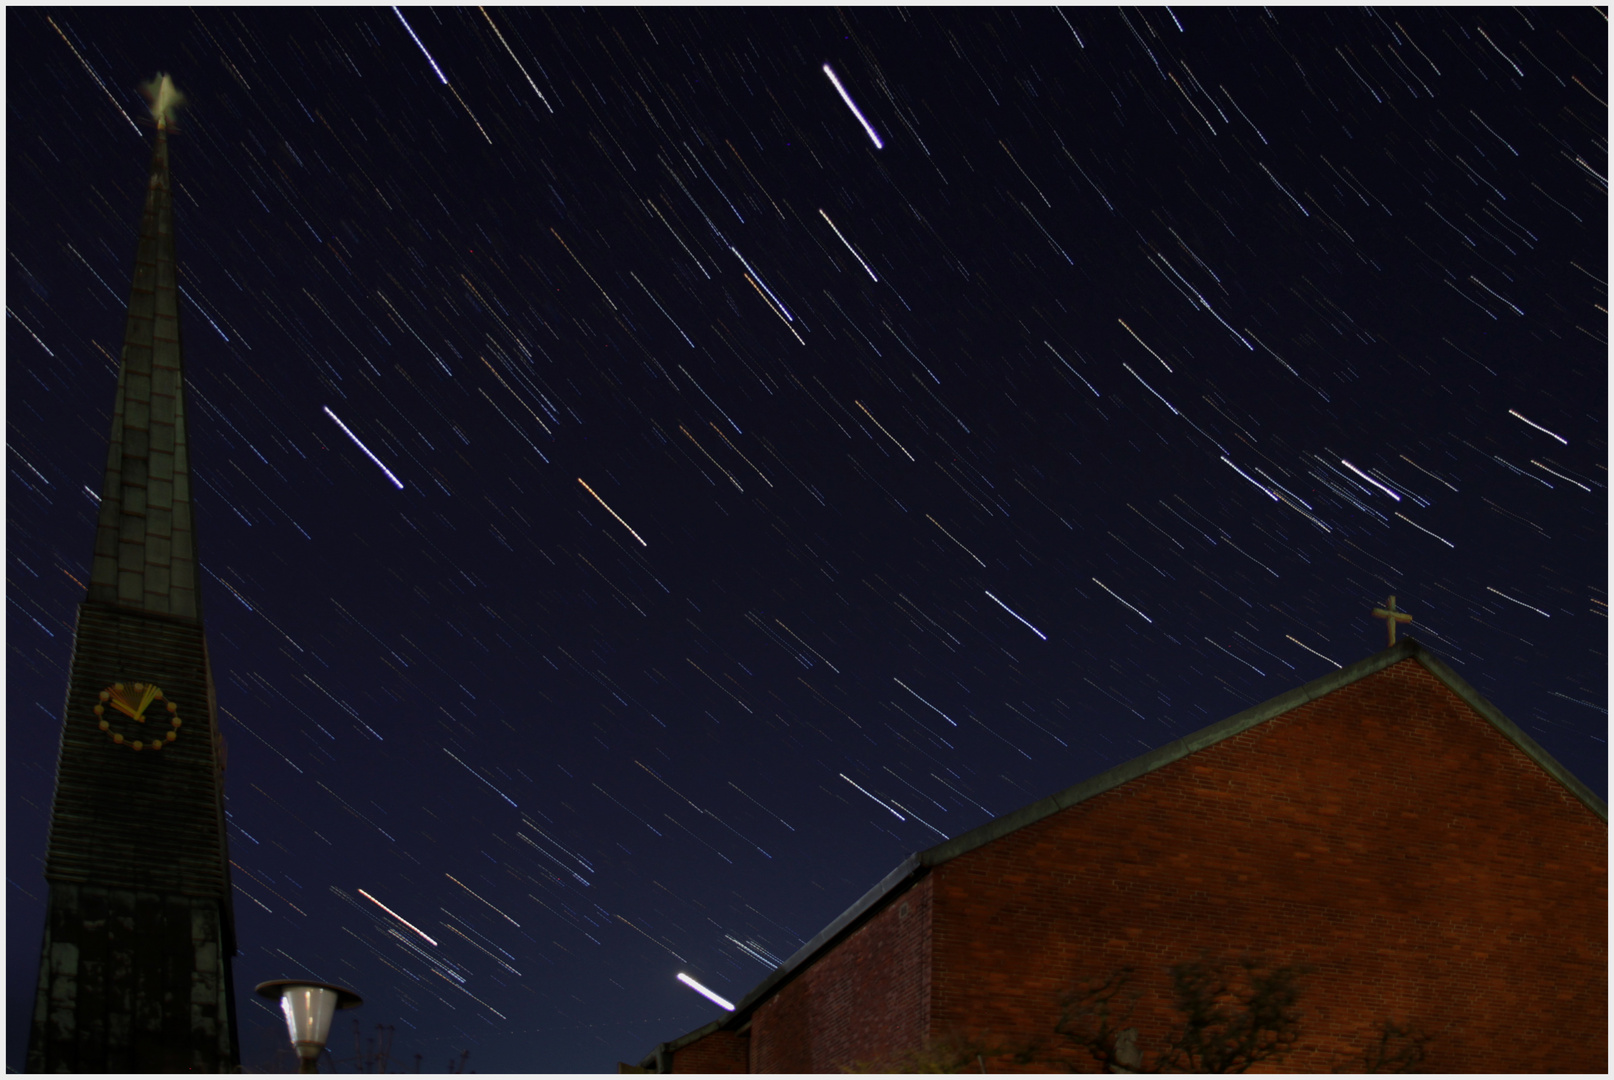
{"x": 164, "y": 97}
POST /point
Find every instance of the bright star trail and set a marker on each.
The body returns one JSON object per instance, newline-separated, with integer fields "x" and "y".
{"x": 356, "y": 442}
{"x": 397, "y": 916}
{"x": 1112, "y": 592}
{"x": 876, "y": 798}
{"x": 479, "y": 776}
{"x": 1539, "y": 428}
{"x": 608, "y": 510}
{"x": 1146, "y": 354}
{"x": 716, "y": 999}
{"x": 423, "y": 52}
{"x": 1017, "y": 615}
{"x": 850, "y": 104}
{"x": 849, "y": 246}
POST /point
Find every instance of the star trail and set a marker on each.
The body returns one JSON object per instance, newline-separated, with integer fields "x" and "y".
{"x": 785, "y": 415}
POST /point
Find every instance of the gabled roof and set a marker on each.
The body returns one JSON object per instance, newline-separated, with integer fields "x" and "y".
{"x": 918, "y": 864}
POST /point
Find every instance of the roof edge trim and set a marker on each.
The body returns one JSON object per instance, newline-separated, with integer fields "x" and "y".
{"x": 1170, "y": 752}
{"x": 1516, "y": 735}
{"x": 888, "y": 887}
{"x": 652, "y": 1061}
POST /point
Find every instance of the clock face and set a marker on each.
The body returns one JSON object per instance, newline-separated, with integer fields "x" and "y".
{"x": 125, "y": 705}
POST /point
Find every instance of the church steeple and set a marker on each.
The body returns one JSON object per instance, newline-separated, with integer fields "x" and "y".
{"x": 135, "y": 965}
{"x": 145, "y": 546}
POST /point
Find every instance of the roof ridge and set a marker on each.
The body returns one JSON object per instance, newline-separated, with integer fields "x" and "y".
{"x": 1405, "y": 649}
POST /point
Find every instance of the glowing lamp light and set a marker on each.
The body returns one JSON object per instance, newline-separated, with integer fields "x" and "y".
{"x": 705, "y": 993}
{"x": 308, "y": 1008}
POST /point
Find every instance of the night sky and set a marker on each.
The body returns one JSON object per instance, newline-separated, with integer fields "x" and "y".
{"x": 769, "y": 483}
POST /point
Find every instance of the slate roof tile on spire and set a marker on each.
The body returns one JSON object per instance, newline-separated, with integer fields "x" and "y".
{"x": 145, "y": 545}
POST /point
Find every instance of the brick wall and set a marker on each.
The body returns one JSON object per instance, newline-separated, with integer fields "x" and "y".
{"x": 865, "y": 1002}
{"x": 719, "y": 1052}
{"x": 1385, "y": 834}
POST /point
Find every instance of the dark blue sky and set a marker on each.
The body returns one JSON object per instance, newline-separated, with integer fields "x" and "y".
{"x": 775, "y": 503}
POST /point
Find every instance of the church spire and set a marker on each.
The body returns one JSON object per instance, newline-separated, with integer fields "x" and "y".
{"x": 145, "y": 543}
{"x": 135, "y": 969}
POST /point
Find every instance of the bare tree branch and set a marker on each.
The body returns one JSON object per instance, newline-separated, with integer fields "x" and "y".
{"x": 1234, "y": 1017}
{"x": 1397, "y": 1050}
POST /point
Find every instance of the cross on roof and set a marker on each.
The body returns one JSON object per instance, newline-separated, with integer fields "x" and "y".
{"x": 1391, "y": 616}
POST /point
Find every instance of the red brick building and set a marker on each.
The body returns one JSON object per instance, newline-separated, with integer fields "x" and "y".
{"x": 1385, "y": 826}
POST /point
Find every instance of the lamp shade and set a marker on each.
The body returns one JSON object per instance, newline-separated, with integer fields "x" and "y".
{"x": 308, "y": 1007}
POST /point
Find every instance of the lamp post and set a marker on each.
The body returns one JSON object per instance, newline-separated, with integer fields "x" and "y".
{"x": 308, "y": 1007}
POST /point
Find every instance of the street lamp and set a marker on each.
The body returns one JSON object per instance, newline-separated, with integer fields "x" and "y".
{"x": 308, "y": 1008}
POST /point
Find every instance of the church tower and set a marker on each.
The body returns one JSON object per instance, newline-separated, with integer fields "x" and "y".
{"x": 134, "y": 971}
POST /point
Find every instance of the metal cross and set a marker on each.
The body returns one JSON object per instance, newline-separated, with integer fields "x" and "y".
{"x": 1391, "y": 616}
